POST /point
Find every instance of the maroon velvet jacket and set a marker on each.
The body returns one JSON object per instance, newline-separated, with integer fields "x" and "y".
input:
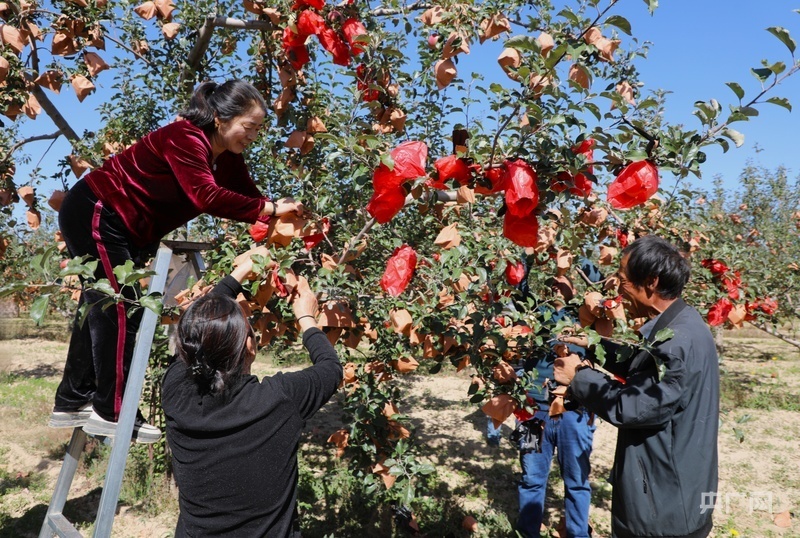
{"x": 166, "y": 179}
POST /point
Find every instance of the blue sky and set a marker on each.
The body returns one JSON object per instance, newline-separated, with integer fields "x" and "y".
{"x": 697, "y": 46}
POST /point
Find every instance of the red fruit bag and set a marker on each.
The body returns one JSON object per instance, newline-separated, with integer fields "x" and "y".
{"x": 634, "y": 185}
{"x": 451, "y": 167}
{"x": 259, "y": 231}
{"x": 522, "y": 194}
{"x": 515, "y": 273}
{"x": 524, "y": 231}
{"x": 409, "y": 160}
{"x": 399, "y": 270}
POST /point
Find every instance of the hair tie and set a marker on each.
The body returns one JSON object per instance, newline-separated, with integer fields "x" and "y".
{"x": 198, "y": 369}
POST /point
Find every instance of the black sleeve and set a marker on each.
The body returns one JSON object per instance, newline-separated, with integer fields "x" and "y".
{"x": 619, "y": 368}
{"x": 643, "y": 401}
{"x": 228, "y": 286}
{"x": 312, "y": 387}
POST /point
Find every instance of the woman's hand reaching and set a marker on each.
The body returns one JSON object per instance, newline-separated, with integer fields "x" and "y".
{"x": 282, "y": 207}
{"x": 243, "y": 264}
{"x": 304, "y": 305}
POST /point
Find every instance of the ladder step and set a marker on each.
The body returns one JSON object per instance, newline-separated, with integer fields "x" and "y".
{"x": 62, "y": 527}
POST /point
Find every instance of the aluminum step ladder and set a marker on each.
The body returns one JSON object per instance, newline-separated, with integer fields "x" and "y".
{"x": 55, "y": 524}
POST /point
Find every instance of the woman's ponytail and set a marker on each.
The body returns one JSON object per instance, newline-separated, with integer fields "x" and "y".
{"x": 200, "y": 110}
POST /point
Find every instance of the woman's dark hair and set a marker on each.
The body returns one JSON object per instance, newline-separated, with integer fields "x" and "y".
{"x": 212, "y": 342}
{"x": 224, "y": 101}
{"x": 652, "y": 256}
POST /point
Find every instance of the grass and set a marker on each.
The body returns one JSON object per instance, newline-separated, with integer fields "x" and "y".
{"x": 746, "y": 391}
{"x": 56, "y": 330}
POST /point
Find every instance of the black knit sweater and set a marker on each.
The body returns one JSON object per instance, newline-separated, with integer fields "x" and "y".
{"x": 235, "y": 454}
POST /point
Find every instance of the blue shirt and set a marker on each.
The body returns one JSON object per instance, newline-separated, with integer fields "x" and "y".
{"x": 543, "y": 364}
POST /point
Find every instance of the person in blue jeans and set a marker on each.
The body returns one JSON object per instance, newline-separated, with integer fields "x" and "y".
{"x": 568, "y": 434}
{"x": 493, "y": 434}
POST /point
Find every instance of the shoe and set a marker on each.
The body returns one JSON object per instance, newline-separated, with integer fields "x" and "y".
{"x": 70, "y": 419}
{"x": 142, "y": 431}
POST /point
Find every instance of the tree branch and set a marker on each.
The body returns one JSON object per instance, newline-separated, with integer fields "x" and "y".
{"x": 37, "y": 138}
{"x": 386, "y": 11}
{"x": 367, "y": 227}
{"x": 776, "y": 334}
{"x": 204, "y": 36}
{"x": 776, "y": 81}
{"x": 51, "y": 110}
{"x": 197, "y": 52}
{"x": 126, "y": 47}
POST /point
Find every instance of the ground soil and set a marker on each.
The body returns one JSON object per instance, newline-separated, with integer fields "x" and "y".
{"x": 759, "y": 446}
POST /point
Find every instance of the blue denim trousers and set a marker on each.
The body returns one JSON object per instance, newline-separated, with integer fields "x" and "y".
{"x": 493, "y": 435}
{"x": 572, "y": 435}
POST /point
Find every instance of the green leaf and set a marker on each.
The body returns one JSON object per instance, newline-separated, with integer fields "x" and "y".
{"x": 652, "y": 5}
{"x": 407, "y": 495}
{"x": 620, "y": 22}
{"x": 477, "y": 397}
{"x": 749, "y": 111}
{"x": 736, "y": 137}
{"x": 103, "y": 286}
{"x": 555, "y": 54}
{"x": 83, "y": 312}
{"x": 426, "y": 468}
{"x": 783, "y": 34}
{"x": 122, "y": 272}
{"x": 648, "y": 103}
{"x": 777, "y": 67}
{"x": 737, "y": 89}
{"x": 663, "y": 335}
{"x": 594, "y": 109}
{"x": 473, "y": 388}
{"x": 600, "y": 355}
{"x": 523, "y": 42}
{"x": 662, "y": 370}
{"x": 39, "y": 308}
{"x": 570, "y": 16}
{"x": 780, "y": 101}
{"x": 636, "y": 155}
{"x": 386, "y": 159}
{"x": 761, "y": 74}
{"x": 77, "y": 266}
{"x": 153, "y": 302}
{"x": 11, "y": 289}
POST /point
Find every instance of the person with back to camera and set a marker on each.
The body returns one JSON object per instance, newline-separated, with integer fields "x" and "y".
{"x": 120, "y": 212}
{"x": 665, "y": 466}
{"x": 568, "y": 433}
{"x": 234, "y": 439}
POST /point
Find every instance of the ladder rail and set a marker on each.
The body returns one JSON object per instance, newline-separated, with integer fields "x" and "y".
{"x": 130, "y": 402}
{"x": 54, "y": 522}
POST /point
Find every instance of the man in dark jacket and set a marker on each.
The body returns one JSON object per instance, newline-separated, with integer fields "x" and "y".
{"x": 667, "y": 408}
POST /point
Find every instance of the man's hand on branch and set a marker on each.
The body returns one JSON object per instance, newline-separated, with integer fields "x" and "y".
{"x": 564, "y": 368}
